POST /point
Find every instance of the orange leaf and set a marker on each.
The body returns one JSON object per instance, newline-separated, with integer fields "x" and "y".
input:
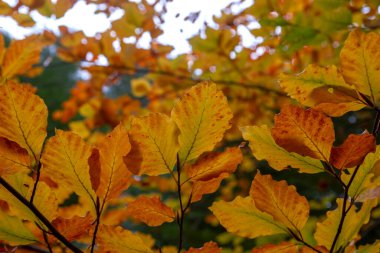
{"x": 13, "y": 158}
{"x": 202, "y": 116}
{"x": 281, "y": 201}
{"x": 284, "y": 247}
{"x": 206, "y": 187}
{"x": 151, "y": 211}
{"x": 154, "y": 145}
{"x": 23, "y": 117}
{"x": 65, "y": 161}
{"x": 353, "y": 150}
{"x": 208, "y": 247}
{"x": 114, "y": 176}
{"x": 306, "y": 132}
{"x": 81, "y": 225}
{"x": 213, "y": 164}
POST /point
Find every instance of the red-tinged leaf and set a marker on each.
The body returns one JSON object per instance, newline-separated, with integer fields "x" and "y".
{"x": 306, "y": 132}
{"x": 23, "y": 117}
{"x": 81, "y": 225}
{"x": 201, "y": 188}
{"x": 281, "y": 201}
{"x": 151, "y": 211}
{"x": 208, "y": 247}
{"x": 353, "y": 150}
{"x": 13, "y": 158}
{"x": 213, "y": 164}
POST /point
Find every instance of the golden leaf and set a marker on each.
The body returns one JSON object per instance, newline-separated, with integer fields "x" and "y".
{"x": 151, "y": 211}
{"x": 326, "y": 230}
{"x": 154, "y": 145}
{"x": 116, "y": 240}
{"x": 213, "y": 164}
{"x": 202, "y": 116}
{"x": 264, "y": 147}
{"x": 240, "y": 216}
{"x": 114, "y": 176}
{"x": 360, "y": 65}
{"x": 23, "y": 117}
{"x": 284, "y": 247}
{"x": 353, "y": 150}
{"x": 281, "y": 201}
{"x": 65, "y": 161}
{"x": 13, "y": 158}
{"x": 306, "y": 132}
{"x": 208, "y": 247}
{"x": 14, "y": 232}
{"x": 322, "y": 88}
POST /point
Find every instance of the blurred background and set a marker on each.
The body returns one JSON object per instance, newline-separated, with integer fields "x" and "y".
{"x": 105, "y": 61}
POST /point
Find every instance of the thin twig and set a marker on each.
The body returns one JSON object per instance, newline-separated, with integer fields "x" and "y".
{"x": 301, "y": 240}
{"x": 46, "y": 239}
{"x": 40, "y": 216}
{"x": 98, "y": 214}
{"x": 180, "y": 217}
{"x": 38, "y": 174}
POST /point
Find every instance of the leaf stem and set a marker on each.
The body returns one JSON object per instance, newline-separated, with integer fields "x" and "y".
{"x": 46, "y": 239}
{"x": 40, "y": 216}
{"x": 38, "y": 174}
{"x": 98, "y": 214}
{"x": 181, "y": 216}
{"x": 301, "y": 240}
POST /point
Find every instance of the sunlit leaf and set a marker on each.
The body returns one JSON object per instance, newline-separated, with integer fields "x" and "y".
{"x": 264, "y": 147}
{"x": 154, "y": 145}
{"x": 150, "y": 211}
{"x": 281, "y": 201}
{"x": 240, "y": 216}
{"x": 306, "y": 132}
{"x": 202, "y": 116}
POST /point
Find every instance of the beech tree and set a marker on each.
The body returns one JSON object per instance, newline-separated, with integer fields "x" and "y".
{"x": 276, "y": 141}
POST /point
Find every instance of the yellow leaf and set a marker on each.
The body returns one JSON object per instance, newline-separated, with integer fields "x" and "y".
{"x": 281, "y": 201}
{"x": 65, "y": 161}
{"x": 114, "y": 176}
{"x": 212, "y": 165}
{"x": 154, "y": 145}
{"x": 24, "y": 20}
{"x": 306, "y": 132}
{"x": 208, "y": 247}
{"x": 284, "y": 247}
{"x": 151, "y": 211}
{"x": 322, "y": 88}
{"x": 353, "y": 150}
{"x": 202, "y": 116}
{"x": 13, "y": 158}
{"x": 21, "y": 55}
{"x": 61, "y": 7}
{"x": 14, "y": 232}
{"x": 264, "y": 147}
{"x": 117, "y": 239}
{"x": 242, "y": 218}
{"x": 370, "y": 248}
{"x": 360, "y": 65}
{"x": 23, "y": 117}
{"x": 326, "y": 230}
{"x": 140, "y": 87}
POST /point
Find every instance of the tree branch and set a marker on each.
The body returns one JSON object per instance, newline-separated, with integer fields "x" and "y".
{"x": 40, "y": 216}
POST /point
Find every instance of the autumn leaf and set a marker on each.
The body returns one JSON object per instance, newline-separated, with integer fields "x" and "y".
{"x": 284, "y": 247}
{"x": 264, "y": 147}
{"x": 116, "y": 239}
{"x": 353, "y": 150}
{"x": 322, "y": 88}
{"x": 212, "y": 165}
{"x": 81, "y": 225}
{"x": 360, "y": 65}
{"x": 154, "y": 145}
{"x": 65, "y": 161}
{"x": 281, "y": 201}
{"x": 23, "y": 118}
{"x": 306, "y": 132}
{"x": 208, "y": 247}
{"x": 326, "y": 230}
{"x": 21, "y": 55}
{"x": 202, "y": 116}
{"x": 200, "y": 188}
{"x": 14, "y": 232}
{"x": 13, "y": 158}
{"x": 151, "y": 211}
{"x": 113, "y": 176}
{"x": 241, "y": 215}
